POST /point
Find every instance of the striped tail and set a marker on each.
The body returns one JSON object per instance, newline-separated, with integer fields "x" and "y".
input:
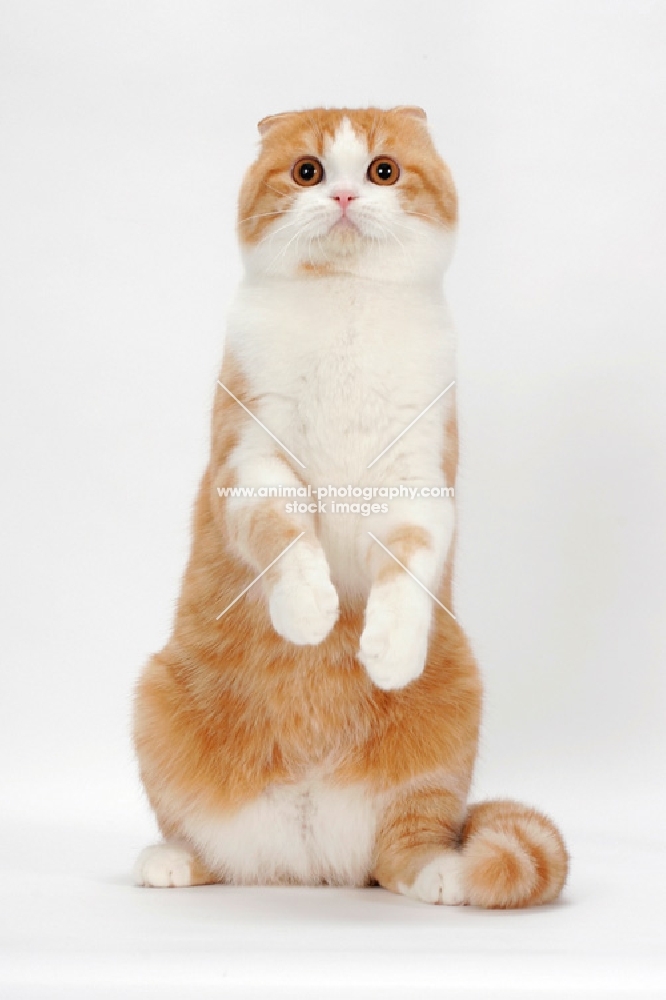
{"x": 512, "y": 856}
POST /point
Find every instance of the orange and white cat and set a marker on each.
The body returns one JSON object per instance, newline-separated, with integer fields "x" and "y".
{"x": 322, "y": 727}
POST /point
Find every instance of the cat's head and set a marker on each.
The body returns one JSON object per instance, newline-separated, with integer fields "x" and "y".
{"x": 347, "y": 191}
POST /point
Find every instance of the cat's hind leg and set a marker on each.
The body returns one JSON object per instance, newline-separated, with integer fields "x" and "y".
{"x": 505, "y": 855}
{"x": 171, "y": 865}
{"x": 417, "y": 847}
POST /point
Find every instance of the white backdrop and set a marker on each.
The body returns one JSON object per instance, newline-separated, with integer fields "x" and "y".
{"x": 125, "y": 130}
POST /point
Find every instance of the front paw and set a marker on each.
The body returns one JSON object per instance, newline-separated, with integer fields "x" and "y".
{"x": 303, "y": 604}
{"x": 394, "y": 642}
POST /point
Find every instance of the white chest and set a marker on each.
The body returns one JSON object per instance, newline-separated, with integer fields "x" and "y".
{"x": 308, "y": 833}
{"x": 340, "y": 367}
{"x": 337, "y": 370}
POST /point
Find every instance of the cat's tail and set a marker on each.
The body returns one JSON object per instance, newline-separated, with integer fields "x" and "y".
{"x": 512, "y": 856}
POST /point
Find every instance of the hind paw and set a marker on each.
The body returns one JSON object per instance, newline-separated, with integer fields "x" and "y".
{"x": 440, "y": 881}
{"x": 170, "y": 866}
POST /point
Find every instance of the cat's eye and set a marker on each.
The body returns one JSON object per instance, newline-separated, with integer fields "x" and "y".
{"x": 307, "y": 171}
{"x": 383, "y": 170}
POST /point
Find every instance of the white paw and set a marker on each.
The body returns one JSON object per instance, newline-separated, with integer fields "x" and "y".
{"x": 164, "y": 865}
{"x": 303, "y": 604}
{"x": 440, "y": 881}
{"x": 394, "y": 642}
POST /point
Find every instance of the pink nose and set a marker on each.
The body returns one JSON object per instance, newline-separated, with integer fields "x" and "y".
{"x": 343, "y": 198}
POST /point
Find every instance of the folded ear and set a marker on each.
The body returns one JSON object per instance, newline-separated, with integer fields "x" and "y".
{"x": 266, "y": 124}
{"x": 411, "y": 111}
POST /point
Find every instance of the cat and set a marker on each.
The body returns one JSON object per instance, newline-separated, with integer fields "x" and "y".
{"x": 314, "y": 717}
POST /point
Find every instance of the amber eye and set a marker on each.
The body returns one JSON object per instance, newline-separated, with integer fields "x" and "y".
{"x": 383, "y": 170}
{"x": 307, "y": 171}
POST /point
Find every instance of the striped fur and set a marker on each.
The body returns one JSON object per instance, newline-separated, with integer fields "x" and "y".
{"x": 322, "y": 729}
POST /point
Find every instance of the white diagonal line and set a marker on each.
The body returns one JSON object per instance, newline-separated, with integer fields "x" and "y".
{"x": 416, "y": 580}
{"x": 410, "y": 425}
{"x": 293, "y": 542}
{"x": 249, "y": 413}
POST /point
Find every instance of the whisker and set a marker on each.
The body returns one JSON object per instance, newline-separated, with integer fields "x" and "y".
{"x": 273, "y": 232}
{"x": 270, "y": 187}
{"x": 322, "y": 251}
{"x": 391, "y": 233}
{"x": 422, "y": 215}
{"x": 284, "y": 249}
{"x": 383, "y": 227}
{"x": 428, "y": 235}
{"x": 263, "y": 215}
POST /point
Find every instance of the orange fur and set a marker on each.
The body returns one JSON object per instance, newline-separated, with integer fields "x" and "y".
{"x": 514, "y": 856}
{"x": 229, "y": 708}
{"x": 426, "y": 185}
{"x": 403, "y": 542}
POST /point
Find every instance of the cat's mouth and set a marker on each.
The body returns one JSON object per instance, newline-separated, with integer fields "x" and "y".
{"x": 345, "y": 233}
{"x": 343, "y": 223}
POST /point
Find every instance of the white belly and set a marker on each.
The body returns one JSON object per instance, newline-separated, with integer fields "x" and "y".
{"x": 309, "y": 833}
